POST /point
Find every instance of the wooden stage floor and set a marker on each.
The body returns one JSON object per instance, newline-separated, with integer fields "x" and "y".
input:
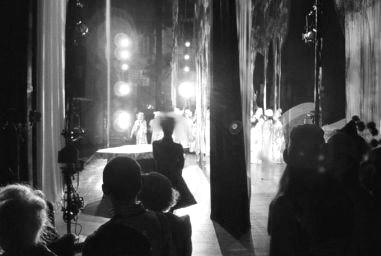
{"x": 208, "y": 238}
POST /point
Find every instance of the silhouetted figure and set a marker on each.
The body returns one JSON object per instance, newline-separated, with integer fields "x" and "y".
{"x": 23, "y": 215}
{"x": 158, "y": 195}
{"x": 169, "y": 161}
{"x": 122, "y": 183}
{"x": 345, "y": 154}
{"x": 310, "y": 214}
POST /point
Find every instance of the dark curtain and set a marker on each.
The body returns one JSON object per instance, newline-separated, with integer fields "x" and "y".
{"x": 228, "y": 177}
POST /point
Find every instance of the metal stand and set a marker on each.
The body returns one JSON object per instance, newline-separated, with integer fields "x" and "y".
{"x": 313, "y": 35}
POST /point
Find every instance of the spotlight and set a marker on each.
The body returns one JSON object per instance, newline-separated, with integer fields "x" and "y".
{"x": 186, "y": 57}
{"x": 187, "y": 44}
{"x": 186, "y": 89}
{"x": 122, "y": 88}
{"x": 122, "y": 54}
{"x": 122, "y": 40}
{"x": 124, "y": 67}
{"x": 186, "y": 69}
{"x": 122, "y": 120}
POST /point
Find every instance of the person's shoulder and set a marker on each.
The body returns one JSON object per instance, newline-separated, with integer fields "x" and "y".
{"x": 179, "y": 222}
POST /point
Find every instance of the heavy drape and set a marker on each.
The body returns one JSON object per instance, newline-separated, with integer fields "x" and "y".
{"x": 363, "y": 62}
{"x": 228, "y": 174}
{"x": 51, "y": 101}
{"x": 246, "y": 69}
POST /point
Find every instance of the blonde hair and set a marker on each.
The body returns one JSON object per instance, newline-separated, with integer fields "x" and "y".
{"x": 23, "y": 215}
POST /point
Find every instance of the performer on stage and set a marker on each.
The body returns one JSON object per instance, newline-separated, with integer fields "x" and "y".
{"x": 139, "y": 130}
{"x": 169, "y": 161}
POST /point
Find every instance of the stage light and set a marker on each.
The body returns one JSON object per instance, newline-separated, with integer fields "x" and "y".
{"x": 186, "y": 69}
{"x": 186, "y": 57}
{"x": 122, "y": 88}
{"x": 122, "y": 54}
{"x": 122, "y": 40}
{"x": 186, "y": 89}
{"x": 187, "y": 44}
{"x": 122, "y": 120}
{"x": 124, "y": 67}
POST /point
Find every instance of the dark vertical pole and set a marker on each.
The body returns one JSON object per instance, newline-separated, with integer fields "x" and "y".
{"x": 318, "y": 70}
{"x": 228, "y": 177}
{"x": 159, "y": 53}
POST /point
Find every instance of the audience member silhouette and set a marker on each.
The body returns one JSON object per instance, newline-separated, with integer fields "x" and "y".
{"x": 169, "y": 161}
{"x": 122, "y": 183}
{"x": 157, "y": 194}
{"x": 345, "y": 154}
{"x": 23, "y": 215}
{"x": 310, "y": 214}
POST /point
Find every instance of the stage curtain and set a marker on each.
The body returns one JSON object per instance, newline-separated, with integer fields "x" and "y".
{"x": 246, "y": 69}
{"x": 228, "y": 174}
{"x": 363, "y": 62}
{"x": 50, "y": 86}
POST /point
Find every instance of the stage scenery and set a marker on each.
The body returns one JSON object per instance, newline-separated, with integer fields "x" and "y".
{"x": 190, "y": 127}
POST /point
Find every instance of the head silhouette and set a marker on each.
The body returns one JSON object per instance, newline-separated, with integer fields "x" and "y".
{"x": 157, "y": 193}
{"x": 167, "y": 125}
{"x": 122, "y": 179}
{"x": 22, "y": 217}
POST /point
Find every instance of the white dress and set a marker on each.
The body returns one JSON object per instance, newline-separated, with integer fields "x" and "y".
{"x": 140, "y": 131}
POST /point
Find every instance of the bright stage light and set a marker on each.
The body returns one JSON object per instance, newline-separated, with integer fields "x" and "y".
{"x": 187, "y": 44}
{"x": 186, "y": 90}
{"x": 186, "y": 69}
{"x": 186, "y": 57}
{"x": 122, "y": 88}
{"x": 124, "y": 67}
{"x": 122, "y": 120}
{"x": 122, "y": 54}
{"x": 122, "y": 40}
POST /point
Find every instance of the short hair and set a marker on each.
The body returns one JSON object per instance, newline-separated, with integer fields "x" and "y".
{"x": 306, "y": 144}
{"x": 23, "y": 215}
{"x": 122, "y": 178}
{"x": 167, "y": 124}
{"x": 157, "y": 193}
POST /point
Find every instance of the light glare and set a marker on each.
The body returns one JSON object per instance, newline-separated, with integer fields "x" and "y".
{"x": 124, "y": 67}
{"x": 186, "y": 89}
{"x": 122, "y": 40}
{"x": 187, "y": 44}
{"x": 186, "y": 57}
{"x": 122, "y": 88}
{"x": 186, "y": 69}
{"x": 122, "y": 54}
{"x": 122, "y": 120}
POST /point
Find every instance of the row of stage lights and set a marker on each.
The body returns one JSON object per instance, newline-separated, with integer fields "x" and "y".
{"x": 122, "y": 119}
{"x": 186, "y": 89}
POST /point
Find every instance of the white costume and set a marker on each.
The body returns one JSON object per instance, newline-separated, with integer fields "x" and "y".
{"x": 140, "y": 129}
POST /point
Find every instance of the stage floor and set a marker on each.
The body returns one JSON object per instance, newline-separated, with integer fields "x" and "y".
{"x": 141, "y": 151}
{"x": 208, "y": 238}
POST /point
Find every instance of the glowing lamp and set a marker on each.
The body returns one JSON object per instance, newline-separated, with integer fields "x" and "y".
{"x": 122, "y": 40}
{"x": 186, "y": 69}
{"x": 122, "y": 120}
{"x": 124, "y": 67}
{"x": 122, "y": 54}
{"x": 122, "y": 88}
{"x": 187, "y": 44}
{"x": 186, "y": 89}
{"x": 186, "y": 57}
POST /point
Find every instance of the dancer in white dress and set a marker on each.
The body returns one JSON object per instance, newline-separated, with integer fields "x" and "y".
{"x": 257, "y": 121}
{"x": 278, "y": 138}
{"x": 139, "y": 130}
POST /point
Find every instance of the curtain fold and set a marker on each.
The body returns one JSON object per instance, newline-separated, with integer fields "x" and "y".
{"x": 51, "y": 93}
{"x": 363, "y": 62}
{"x": 244, "y": 22}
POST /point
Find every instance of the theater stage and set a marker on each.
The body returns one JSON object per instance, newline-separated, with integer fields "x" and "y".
{"x": 208, "y": 238}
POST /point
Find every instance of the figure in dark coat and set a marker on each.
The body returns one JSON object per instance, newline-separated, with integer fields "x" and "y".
{"x": 169, "y": 161}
